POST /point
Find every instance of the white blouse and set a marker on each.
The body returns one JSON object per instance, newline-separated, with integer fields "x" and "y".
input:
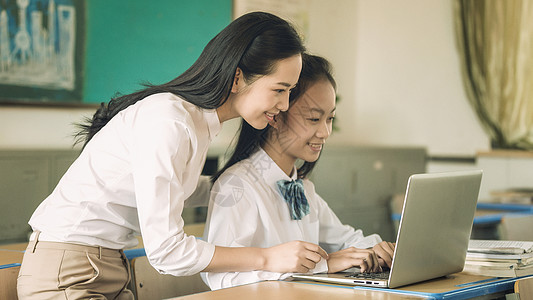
{"x": 246, "y": 210}
{"x": 134, "y": 177}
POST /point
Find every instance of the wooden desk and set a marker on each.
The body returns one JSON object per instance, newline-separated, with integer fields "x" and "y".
{"x": 12, "y": 253}
{"x": 455, "y": 286}
{"x": 291, "y": 290}
{"x": 18, "y": 246}
{"x": 10, "y": 259}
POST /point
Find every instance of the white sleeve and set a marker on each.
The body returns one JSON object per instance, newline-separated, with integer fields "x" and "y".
{"x": 334, "y": 235}
{"x": 160, "y": 154}
{"x": 234, "y": 221}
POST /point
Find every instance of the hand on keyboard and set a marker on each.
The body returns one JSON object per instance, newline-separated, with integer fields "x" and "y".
{"x": 384, "y": 251}
{"x": 366, "y": 259}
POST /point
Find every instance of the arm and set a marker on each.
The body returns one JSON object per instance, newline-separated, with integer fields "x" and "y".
{"x": 295, "y": 256}
{"x": 234, "y": 221}
{"x": 349, "y": 246}
{"x": 160, "y": 163}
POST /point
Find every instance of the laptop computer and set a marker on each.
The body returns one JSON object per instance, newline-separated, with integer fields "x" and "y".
{"x": 433, "y": 234}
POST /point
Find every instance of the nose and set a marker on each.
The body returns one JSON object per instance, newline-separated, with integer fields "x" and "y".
{"x": 283, "y": 104}
{"x": 324, "y": 130}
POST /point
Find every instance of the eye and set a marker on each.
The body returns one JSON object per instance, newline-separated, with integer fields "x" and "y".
{"x": 330, "y": 119}
{"x": 279, "y": 91}
{"x": 313, "y": 119}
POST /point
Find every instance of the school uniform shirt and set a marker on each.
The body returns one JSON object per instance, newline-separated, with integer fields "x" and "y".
{"x": 247, "y": 210}
{"x": 134, "y": 177}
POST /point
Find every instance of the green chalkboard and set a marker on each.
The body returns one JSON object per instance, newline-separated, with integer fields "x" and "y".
{"x": 129, "y": 42}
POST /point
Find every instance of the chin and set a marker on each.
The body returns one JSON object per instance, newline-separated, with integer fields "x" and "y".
{"x": 258, "y": 125}
{"x": 311, "y": 158}
{"x": 261, "y": 127}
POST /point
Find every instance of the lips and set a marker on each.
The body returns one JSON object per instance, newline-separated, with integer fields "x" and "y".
{"x": 270, "y": 116}
{"x": 315, "y": 146}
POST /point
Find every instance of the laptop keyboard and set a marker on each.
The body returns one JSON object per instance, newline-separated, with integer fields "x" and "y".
{"x": 379, "y": 275}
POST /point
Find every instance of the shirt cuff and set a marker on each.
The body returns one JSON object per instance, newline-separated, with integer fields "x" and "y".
{"x": 205, "y": 258}
{"x": 321, "y": 267}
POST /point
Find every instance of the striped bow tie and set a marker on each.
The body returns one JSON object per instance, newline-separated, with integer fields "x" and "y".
{"x": 293, "y": 193}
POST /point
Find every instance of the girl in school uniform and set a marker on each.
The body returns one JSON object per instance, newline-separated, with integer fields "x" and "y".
{"x": 142, "y": 157}
{"x": 261, "y": 199}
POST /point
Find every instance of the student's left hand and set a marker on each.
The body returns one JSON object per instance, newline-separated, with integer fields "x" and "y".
{"x": 384, "y": 252}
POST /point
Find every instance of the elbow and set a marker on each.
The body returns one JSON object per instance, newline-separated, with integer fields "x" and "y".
{"x": 184, "y": 258}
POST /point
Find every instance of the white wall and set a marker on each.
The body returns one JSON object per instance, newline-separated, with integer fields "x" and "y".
{"x": 399, "y": 74}
{"x": 397, "y": 70}
{"x": 39, "y": 127}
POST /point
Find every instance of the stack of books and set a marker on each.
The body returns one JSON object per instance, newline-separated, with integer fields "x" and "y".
{"x": 499, "y": 258}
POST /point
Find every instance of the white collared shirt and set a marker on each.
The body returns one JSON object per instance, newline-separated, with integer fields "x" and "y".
{"x": 134, "y": 177}
{"x": 247, "y": 210}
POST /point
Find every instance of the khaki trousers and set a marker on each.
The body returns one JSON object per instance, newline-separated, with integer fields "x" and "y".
{"x": 68, "y": 271}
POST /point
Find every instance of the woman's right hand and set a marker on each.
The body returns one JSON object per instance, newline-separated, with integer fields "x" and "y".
{"x": 293, "y": 257}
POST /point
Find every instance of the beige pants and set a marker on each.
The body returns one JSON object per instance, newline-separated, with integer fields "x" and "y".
{"x": 69, "y": 271}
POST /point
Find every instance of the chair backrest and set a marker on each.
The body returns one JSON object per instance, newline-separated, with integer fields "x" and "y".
{"x": 524, "y": 288}
{"x": 516, "y": 227}
{"x": 149, "y": 284}
{"x": 8, "y": 282}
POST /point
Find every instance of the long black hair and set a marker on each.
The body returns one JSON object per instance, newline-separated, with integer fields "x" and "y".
{"x": 253, "y": 42}
{"x": 314, "y": 69}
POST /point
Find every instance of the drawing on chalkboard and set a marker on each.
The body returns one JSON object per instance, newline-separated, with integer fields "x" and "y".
{"x": 40, "y": 51}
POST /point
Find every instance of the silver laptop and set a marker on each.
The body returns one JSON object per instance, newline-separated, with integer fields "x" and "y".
{"x": 433, "y": 235}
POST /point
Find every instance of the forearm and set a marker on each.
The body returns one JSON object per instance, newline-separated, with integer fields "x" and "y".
{"x": 217, "y": 281}
{"x": 290, "y": 257}
{"x": 237, "y": 259}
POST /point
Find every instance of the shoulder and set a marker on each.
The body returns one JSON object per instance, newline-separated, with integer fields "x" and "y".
{"x": 165, "y": 112}
{"x": 311, "y": 193}
{"x": 309, "y": 186}
{"x": 243, "y": 171}
{"x": 242, "y": 176}
{"x": 236, "y": 188}
{"x": 166, "y": 105}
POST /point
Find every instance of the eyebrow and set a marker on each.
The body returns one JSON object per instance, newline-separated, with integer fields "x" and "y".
{"x": 285, "y": 84}
{"x": 321, "y": 110}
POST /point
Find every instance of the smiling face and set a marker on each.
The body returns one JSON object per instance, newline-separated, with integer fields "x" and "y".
{"x": 259, "y": 101}
{"x": 303, "y": 130}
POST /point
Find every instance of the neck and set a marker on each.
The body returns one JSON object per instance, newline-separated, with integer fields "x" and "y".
{"x": 225, "y": 112}
{"x": 279, "y": 156}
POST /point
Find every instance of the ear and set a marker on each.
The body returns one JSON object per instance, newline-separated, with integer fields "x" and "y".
{"x": 238, "y": 81}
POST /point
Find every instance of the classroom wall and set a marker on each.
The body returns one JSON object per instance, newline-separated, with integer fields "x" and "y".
{"x": 398, "y": 74}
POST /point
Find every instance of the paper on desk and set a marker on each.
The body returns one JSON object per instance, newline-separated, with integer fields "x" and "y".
{"x": 500, "y": 246}
{"x": 524, "y": 258}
